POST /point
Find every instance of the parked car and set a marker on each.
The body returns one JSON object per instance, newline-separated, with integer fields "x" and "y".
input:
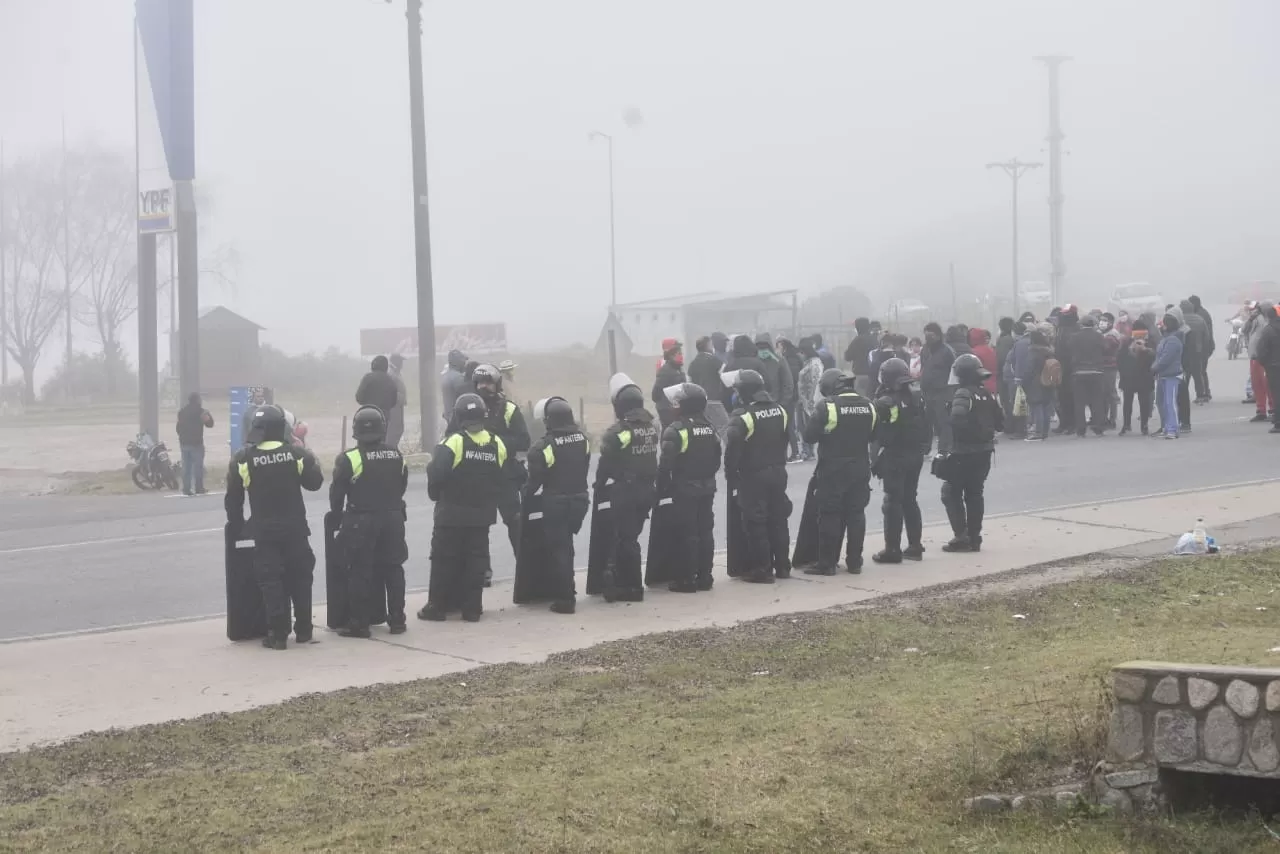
{"x": 1135, "y": 298}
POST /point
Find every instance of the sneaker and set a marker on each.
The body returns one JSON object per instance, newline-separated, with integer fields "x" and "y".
{"x": 188, "y": 493}
{"x": 1124, "y": 431}
{"x": 887, "y": 556}
{"x": 1259, "y": 418}
{"x": 1146, "y": 430}
{"x": 432, "y": 613}
{"x": 567, "y": 606}
{"x": 1171, "y": 435}
{"x": 820, "y": 570}
{"x": 354, "y": 632}
{"x": 957, "y": 544}
{"x": 683, "y": 587}
{"x": 1185, "y": 428}
{"x": 915, "y": 552}
{"x": 1248, "y": 400}
{"x": 202, "y": 491}
{"x": 1034, "y": 438}
{"x": 975, "y": 544}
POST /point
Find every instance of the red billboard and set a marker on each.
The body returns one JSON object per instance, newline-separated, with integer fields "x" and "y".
{"x": 470, "y": 338}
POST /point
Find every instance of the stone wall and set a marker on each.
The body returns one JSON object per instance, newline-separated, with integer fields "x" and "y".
{"x": 1187, "y": 717}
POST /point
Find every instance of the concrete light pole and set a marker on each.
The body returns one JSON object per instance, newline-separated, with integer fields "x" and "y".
{"x": 1015, "y": 169}
{"x": 1057, "y": 265}
{"x": 613, "y": 256}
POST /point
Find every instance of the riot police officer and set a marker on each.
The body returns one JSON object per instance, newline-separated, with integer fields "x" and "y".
{"x": 558, "y": 464}
{"x": 841, "y": 427}
{"x": 273, "y": 474}
{"x": 755, "y": 465}
{"x": 975, "y": 418}
{"x": 687, "y": 472}
{"x": 899, "y": 446}
{"x": 369, "y": 482}
{"x": 628, "y": 458}
{"x": 466, "y": 479}
{"x": 504, "y": 420}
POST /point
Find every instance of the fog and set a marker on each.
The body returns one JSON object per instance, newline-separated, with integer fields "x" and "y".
{"x": 783, "y": 145}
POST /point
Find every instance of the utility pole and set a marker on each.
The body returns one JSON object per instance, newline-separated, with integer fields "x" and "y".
{"x": 1057, "y": 266}
{"x": 613, "y": 257}
{"x": 422, "y": 230}
{"x": 1015, "y": 169}
{"x": 955, "y": 306}
{"x": 4, "y": 280}
{"x": 66, "y": 257}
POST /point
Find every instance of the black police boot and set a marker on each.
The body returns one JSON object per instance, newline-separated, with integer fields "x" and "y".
{"x": 958, "y": 543}
{"x": 975, "y": 543}
{"x": 705, "y": 582}
{"x": 355, "y": 632}
{"x": 275, "y": 641}
{"x": 564, "y": 606}
{"x": 887, "y": 556}
{"x": 397, "y": 628}
{"x": 433, "y": 613}
{"x": 915, "y": 552}
{"x": 302, "y": 635}
{"x": 688, "y": 586}
{"x": 853, "y": 565}
{"x": 783, "y": 571}
{"x": 759, "y": 576}
{"x": 631, "y": 594}
{"x": 470, "y": 616}
{"x": 820, "y": 569}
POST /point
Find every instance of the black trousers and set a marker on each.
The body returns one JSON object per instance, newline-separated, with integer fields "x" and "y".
{"x": 1202, "y": 377}
{"x": 509, "y": 510}
{"x": 630, "y": 511}
{"x": 900, "y": 477}
{"x": 937, "y": 403}
{"x": 793, "y": 438}
{"x": 762, "y": 497}
{"x": 376, "y": 552}
{"x": 1067, "y": 405}
{"x": 1089, "y": 390}
{"x": 1184, "y": 401}
{"x": 285, "y": 566}
{"x": 459, "y": 561}
{"x": 962, "y": 493}
{"x": 1145, "y": 397}
{"x": 562, "y": 517}
{"x": 697, "y": 532}
{"x": 1273, "y": 390}
{"x": 842, "y": 495}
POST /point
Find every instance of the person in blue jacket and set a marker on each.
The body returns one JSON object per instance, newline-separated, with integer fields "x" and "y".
{"x": 1168, "y": 373}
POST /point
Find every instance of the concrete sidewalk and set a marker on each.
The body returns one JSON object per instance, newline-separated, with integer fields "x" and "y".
{"x": 58, "y": 688}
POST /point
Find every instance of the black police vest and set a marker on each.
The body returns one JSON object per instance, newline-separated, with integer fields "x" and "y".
{"x": 567, "y": 456}
{"x": 902, "y": 426}
{"x": 851, "y": 418}
{"x": 766, "y": 444}
{"x": 638, "y": 460}
{"x": 272, "y": 476}
{"x": 699, "y": 458}
{"x": 478, "y": 481}
{"x": 977, "y": 431}
{"x": 377, "y": 473}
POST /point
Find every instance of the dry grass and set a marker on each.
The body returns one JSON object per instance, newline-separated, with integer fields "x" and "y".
{"x": 829, "y": 732}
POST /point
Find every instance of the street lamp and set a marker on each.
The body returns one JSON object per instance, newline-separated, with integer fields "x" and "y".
{"x": 613, "y": 255}
{"x": 1015, "y": 169}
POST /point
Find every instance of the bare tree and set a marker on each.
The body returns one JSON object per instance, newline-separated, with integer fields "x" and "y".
{"x": 35, "y": 299}
{"x": 104, "y": 252}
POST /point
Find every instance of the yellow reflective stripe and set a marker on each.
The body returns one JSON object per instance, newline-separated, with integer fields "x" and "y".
{"x": 300, "y": 465}
{"x": 502, "y": 451}
{"x": 454, "y": 444}
{"x": 624, "y": 439}
{"x": 357, "y": 463}
{"x": 244, "y": 474}
{"x": 586, "y": 443}
{"x": 549, "y": 455}
{"x": 481, "y": 438}
{"x": 684, "y": 439}
{"x": 269, "y": 446}
{"x": 874, "y": 417}
{"x": 784, "y": 419}
{"x": 893, "y": 416}
{"x": 511, "y": 410}
{"x": 750, "y": 420}
{"x": 833, "y": 417}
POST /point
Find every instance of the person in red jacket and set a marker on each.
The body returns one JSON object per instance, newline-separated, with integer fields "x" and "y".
{"x": 980, "y": 343}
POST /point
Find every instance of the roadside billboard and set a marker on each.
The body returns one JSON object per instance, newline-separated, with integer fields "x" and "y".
{"x": 164, "y": 120}
{"x": 470, "y": 338}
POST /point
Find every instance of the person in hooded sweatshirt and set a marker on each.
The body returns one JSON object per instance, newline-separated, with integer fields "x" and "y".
{"x": 1259, "y": 319}
{"x": 1167, "y": 370}
{"x": 1088, "y": 357}
{"x": 828, "y": 360}
{"x": 957, "y": 339}
{"x": 980, "y": 346}
{"x": 858, "y": 354}
{"x": 1199, "y": 340}
{"x": 1067, "y": 324}
{"x": 1014, "y": 368}
{"x": 670, "y": 374}
{"x": 704, "y": 371}
{"x": 1268, "y": 355}
{"x": 1191, "y": 335}
{"x": 1202, "y": 388}
{"x": 777, "y": 376}
{"x": 1134, "y": 362}
{"x": 1112, "y": 340}
{"x": 1004, "y": 346}
{"x": 935, "y": 375}
{"x": 1031, "y": 379}
{"x": 789, "y": 353}
{"x": 453, "y": 381}
{"x": 378, "y": 388}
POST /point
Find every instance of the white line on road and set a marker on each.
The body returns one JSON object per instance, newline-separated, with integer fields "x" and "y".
{"x": 106, "y": 541}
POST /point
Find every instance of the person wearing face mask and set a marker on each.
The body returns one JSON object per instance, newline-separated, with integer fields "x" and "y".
{"x": 670, "y": 374}
{"x": 1135, "y": 360}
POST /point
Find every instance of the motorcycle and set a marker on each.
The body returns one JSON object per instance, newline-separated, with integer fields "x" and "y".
{"x": 1236, "y": 342}
{"x": 152, "y": 468}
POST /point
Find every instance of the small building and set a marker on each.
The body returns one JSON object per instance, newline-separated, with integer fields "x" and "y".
{"x": 644, "y": 324}
{"x": 229, "y": 351}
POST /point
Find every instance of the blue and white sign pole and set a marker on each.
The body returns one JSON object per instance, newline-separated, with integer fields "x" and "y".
{"x": 164, "y": 113}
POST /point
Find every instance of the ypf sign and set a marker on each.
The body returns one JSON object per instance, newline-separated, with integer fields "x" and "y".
{"x": 155, "y": 209}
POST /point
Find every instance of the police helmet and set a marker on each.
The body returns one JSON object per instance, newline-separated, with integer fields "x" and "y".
{"x": 268, "y": 424}
{"x": 487, "y": 375}
{"x": 689, "y": 398}
{"x": 830, "y": 381}
{"x": 469, "y": 410}
{"x": 554, "y": 412}
{"x": 747, "y": 383}
{"x": 369, "y": 425}
{"x": 624, "y": 394}
{"x": 967, "y": 369}
{"x": 894, "y": 373}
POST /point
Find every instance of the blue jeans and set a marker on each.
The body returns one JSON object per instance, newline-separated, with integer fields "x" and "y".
{"x": 1167, "y": 390}
{"x": 1041, "y": 415}
{"x": 193, "y": 465}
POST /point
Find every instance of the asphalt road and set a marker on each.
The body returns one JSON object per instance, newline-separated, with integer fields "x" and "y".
{"x": 72, "y": 564}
